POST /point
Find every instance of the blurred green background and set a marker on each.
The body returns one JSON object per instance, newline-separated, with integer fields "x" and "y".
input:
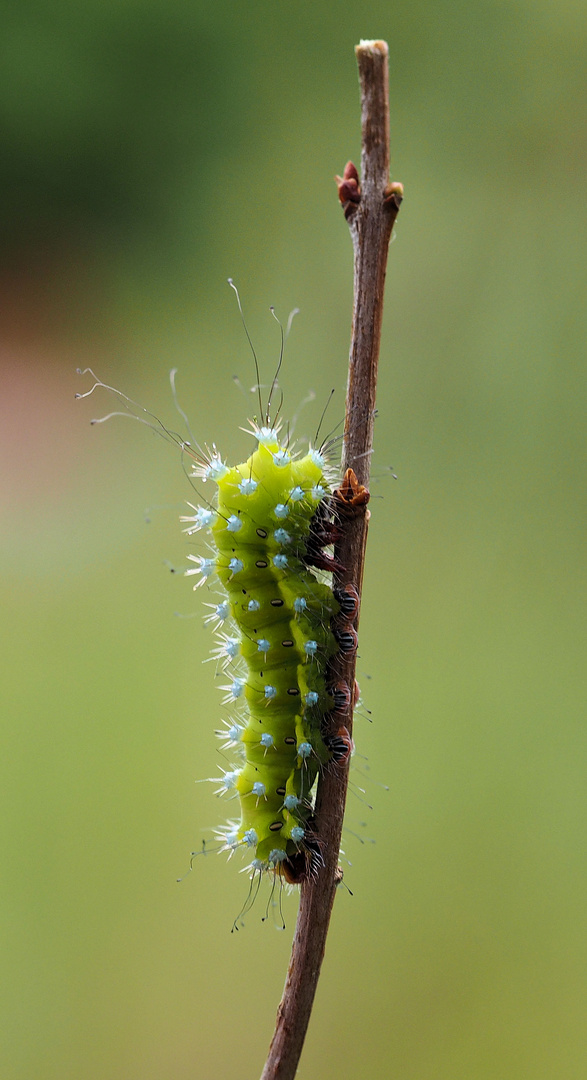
{"x": 150, "y": 150}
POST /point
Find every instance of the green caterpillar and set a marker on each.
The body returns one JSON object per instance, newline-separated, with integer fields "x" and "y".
{"x": 272, "y": 519}
{"x": 270, "y": 524}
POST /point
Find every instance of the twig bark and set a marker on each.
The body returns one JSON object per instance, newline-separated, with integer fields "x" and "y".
{"x": 370, "y": 209}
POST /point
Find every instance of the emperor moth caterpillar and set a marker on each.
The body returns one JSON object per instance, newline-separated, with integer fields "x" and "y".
{"x": 279, "y": 626}
{"x": 269, "y": 526}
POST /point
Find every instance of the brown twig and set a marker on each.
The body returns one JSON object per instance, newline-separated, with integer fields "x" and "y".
{"x": 370, "y": 209}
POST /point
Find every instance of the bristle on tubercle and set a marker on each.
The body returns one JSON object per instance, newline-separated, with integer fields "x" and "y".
{"x": 279, "y": 624}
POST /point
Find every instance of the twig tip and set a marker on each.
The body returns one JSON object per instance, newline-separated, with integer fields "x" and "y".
{"x": 372, "y": 47}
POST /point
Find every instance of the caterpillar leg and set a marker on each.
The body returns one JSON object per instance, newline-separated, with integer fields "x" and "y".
{"x": 340, "y": 745}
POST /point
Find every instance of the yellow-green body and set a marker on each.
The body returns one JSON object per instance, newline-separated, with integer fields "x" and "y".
{"x": 282, "y": 611}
